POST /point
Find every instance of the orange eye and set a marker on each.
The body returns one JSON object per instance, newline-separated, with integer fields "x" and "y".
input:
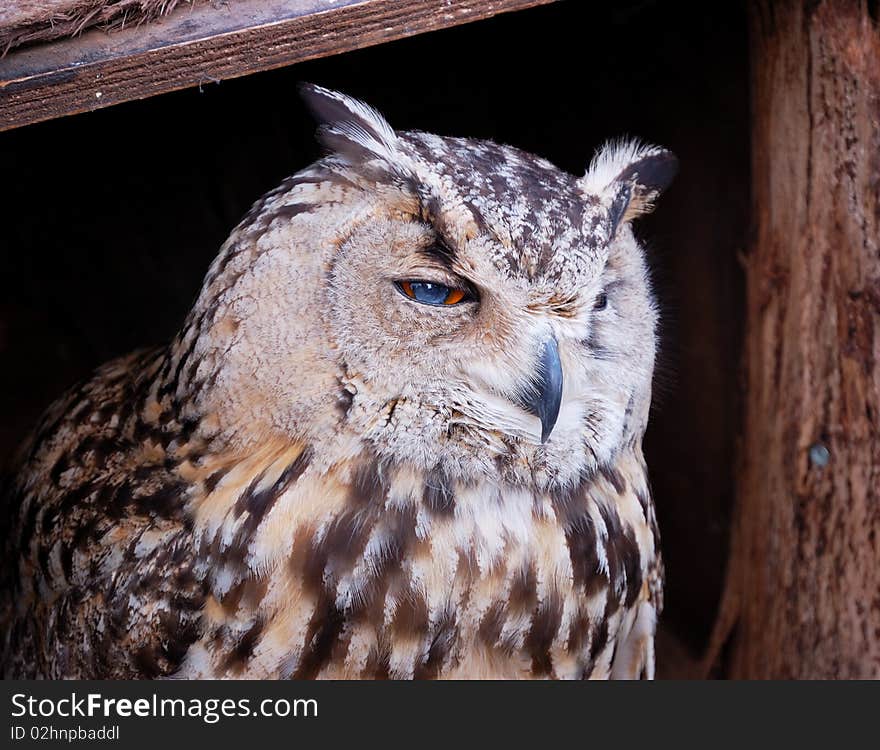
{"x": 431, "y": 294}
{"x": 455, "y": 295}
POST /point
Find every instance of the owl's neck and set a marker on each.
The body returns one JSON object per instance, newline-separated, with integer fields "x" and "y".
{"x": 205, "y": 456}
{"x": 251, "y": 511}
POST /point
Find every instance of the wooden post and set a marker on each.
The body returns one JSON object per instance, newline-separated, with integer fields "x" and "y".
{"x": 803, "y": 584}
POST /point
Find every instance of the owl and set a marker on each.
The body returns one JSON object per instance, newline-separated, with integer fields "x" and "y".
{"x": 397, "y": 436}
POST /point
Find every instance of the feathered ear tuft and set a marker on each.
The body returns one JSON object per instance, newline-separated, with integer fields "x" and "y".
{"x": 348, "y": 127}
{"x": 629, "y": 176}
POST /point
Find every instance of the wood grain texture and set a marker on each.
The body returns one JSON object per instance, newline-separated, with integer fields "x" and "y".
{"x": 211, "y": 43}
{"x": 803, "y": 590}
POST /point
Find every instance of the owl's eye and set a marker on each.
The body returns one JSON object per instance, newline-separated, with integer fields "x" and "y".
{"x": 429, "y": 293}
{"x": 601, "y": 301}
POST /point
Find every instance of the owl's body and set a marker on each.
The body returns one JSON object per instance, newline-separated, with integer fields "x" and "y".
{"x": 329, "y": 474}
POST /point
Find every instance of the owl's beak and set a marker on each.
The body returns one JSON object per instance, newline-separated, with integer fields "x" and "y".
{"x": 543, "y": 399}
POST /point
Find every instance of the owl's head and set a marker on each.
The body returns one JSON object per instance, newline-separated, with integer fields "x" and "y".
{"x": 452, "y": 304}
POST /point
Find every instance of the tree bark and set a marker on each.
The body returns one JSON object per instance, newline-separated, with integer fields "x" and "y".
{"x": 802, "y": 597}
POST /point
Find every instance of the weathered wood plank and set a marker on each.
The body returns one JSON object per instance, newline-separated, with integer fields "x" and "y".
{"x": 201, "y": 44}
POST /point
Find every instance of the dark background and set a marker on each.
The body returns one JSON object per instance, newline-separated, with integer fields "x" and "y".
{"x": 110, "y": 219}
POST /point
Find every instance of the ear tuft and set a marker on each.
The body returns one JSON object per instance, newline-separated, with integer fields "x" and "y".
{"x": 349, "y": 127}
{"x": 629, "y": 176}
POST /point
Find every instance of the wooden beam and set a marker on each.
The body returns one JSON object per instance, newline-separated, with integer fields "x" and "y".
{"x": 803, "y": 582}
{"x": 209, "y": 43}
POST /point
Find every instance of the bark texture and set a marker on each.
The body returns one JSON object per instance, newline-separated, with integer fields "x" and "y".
{"x": 803, "y": 585}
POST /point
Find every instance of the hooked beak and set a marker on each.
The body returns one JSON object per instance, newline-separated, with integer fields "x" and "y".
{"x": 543, "y": 399}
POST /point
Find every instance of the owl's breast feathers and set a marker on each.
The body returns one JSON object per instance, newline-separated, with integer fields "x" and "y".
{"x": 137, "y": 549}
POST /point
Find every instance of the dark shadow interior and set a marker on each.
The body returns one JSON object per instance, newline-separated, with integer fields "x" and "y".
{"x": 110, "y": 219}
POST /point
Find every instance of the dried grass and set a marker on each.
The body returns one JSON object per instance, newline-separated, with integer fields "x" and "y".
{"x": 33, "y": 21}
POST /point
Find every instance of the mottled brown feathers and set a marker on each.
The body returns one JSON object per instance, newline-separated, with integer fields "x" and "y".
{"x": 100, "y": 523}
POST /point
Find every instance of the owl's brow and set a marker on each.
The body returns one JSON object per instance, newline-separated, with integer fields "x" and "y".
{"x": 432, "y": 213}
{"x": 441, "y": 254}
